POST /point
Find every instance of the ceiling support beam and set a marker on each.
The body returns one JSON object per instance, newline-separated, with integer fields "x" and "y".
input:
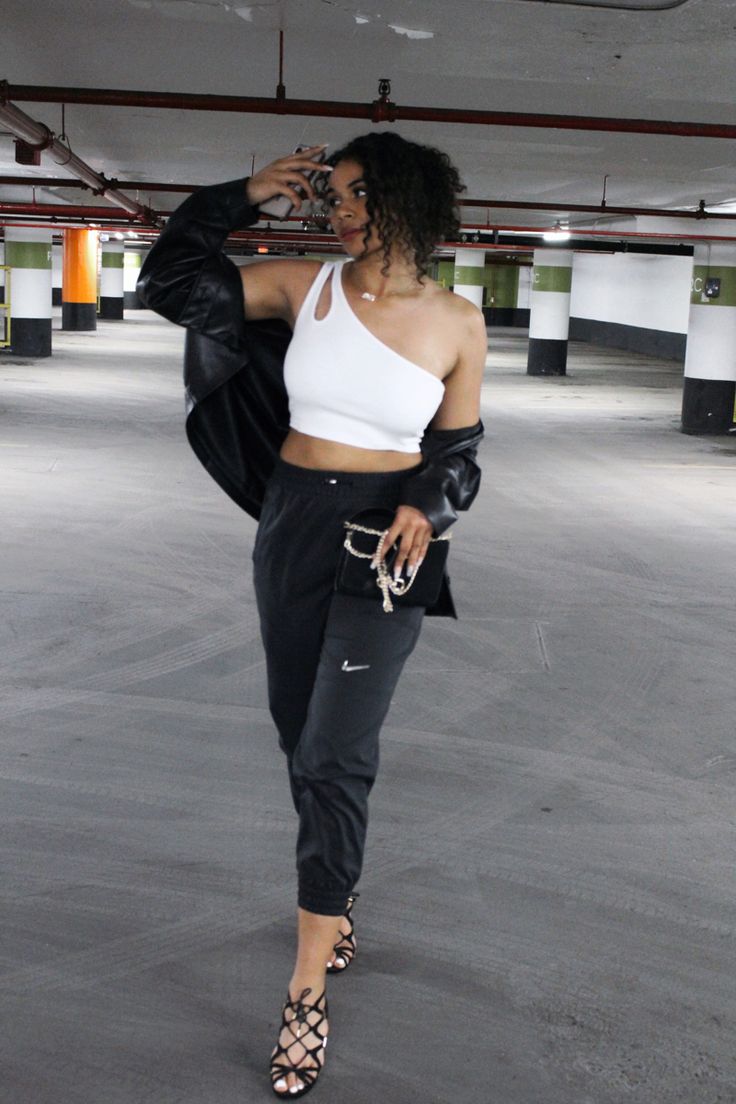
{"x": 380, "y": 110}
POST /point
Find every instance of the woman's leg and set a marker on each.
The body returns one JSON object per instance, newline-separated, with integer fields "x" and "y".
{"x": 336, "y": 760}
{"x": 333, "y": 770}
{"x": 317, "y": 936}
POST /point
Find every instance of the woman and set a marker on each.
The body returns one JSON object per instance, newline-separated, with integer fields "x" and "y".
{"x": 378, "y": 352}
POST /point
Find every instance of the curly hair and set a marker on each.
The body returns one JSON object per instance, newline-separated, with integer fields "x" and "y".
{"x": 412, "y": 193}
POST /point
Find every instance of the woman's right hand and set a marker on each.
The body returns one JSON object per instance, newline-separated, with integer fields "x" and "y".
{"x": 284, "y": 176}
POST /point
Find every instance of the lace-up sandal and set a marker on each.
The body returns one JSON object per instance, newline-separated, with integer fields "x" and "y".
{"x": 300, "y": 1021}
{"x": 345, "y": 948}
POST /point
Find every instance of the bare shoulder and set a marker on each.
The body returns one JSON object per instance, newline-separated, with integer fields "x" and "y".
{"x": 462, "y": 318}
{"x": 467, "y": 313}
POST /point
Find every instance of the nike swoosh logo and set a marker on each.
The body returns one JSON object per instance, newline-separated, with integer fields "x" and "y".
{"x": 358, "y": 667}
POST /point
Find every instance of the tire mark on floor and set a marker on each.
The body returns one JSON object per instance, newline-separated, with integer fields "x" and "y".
{"x": 145, "y": 951}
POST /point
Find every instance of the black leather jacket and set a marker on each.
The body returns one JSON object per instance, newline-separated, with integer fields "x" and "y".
{"x": 237, "y": 407}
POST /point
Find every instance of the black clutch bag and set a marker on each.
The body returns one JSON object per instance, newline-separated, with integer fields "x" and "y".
{"x": 365, "y": 534}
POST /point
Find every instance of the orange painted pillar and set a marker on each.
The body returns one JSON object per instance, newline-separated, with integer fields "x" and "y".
{"x": 79, "y": 280}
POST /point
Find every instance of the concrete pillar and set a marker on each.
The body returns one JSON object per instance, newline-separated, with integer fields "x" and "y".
{"x": 57, "y": 265}
{"x": 3, "y": 314}
{"x": 79, "y": 290}
{"x": 709, "y": 389}
{"x": 132, "y": 264}
{"x": 28, "y": 255}
{"x": 468, "y": 277}
{"x": 549, "y": 322}
{"x": 111, "y": 280}
{"x": 524, "y": 295}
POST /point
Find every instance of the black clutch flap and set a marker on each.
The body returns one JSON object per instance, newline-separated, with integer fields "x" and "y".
{"x": 365, "y": 533}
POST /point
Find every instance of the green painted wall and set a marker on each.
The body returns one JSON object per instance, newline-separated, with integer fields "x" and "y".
{"x": 502, "y": 286}
{"x": 445, "y": 273}
{"x": 501, "y": 282}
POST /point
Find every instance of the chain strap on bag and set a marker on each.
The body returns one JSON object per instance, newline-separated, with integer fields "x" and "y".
{"x": 367, "y": 582}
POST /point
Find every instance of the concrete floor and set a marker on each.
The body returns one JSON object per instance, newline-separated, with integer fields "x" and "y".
{"x": 548, "y": 913}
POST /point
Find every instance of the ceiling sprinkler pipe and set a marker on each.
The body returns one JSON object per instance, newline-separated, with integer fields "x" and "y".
{"x": 336, "y": 109}
{"x": 596, "y": 209}
{"x": 498, "y": 204}
{"x": 64, "y": 210}
{"x": 39, "y": 136}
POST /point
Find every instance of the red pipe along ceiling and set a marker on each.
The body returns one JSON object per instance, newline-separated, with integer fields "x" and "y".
{"x": 60, "y": 215}
{"x": 381, "y": 110}
{"x": 63, "y": 212}
{"x": 498, "y": 204}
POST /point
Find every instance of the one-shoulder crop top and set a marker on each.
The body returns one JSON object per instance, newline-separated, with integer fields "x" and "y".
{"x": 344, "y": 384}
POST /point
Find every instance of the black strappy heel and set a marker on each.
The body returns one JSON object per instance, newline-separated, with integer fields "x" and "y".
{"x": 345, "y": 948}
{"x": 309, "y": 1019}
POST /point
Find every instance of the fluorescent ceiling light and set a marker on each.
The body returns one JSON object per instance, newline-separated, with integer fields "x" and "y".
{"x": 410, "y": 33}
{"x": 620, "y": 5}
{"x": 558, "y": 233}
{"x": 727, "y": 207}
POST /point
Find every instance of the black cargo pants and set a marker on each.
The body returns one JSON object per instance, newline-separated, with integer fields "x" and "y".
{"x": 333, "y": 662}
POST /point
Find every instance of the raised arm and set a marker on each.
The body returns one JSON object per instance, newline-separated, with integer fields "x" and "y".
{"x": 186, "y": 276}
{"x": 275, "y": 289}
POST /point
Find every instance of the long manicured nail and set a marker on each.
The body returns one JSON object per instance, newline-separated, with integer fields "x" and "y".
{"x": 410, "y": 570}
{"x": 397, "y": 574}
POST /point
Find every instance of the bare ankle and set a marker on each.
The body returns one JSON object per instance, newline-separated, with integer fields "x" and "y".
{"x": 300, "y": 982}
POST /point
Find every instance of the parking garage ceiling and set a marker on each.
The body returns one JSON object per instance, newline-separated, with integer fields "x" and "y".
{"x": 668, "y": 63}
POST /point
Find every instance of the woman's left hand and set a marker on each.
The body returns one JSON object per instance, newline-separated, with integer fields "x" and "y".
{"x": 413, "y": 531}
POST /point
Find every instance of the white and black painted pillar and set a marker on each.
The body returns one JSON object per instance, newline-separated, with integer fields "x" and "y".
{"x": 132, "y": 263}
{"x": 709, "y": 390}
{"x": 57, "y": 266}
{"x": 28, "y": 255}
{"x": 112, "y": 292}
{"x": 549, "y": 321}
{"x": 469, "y": 275}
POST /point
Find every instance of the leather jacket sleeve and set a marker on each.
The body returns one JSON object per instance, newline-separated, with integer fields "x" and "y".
{"x": 236, "y": 404}
{"x": 449, "y": 478}
{"x": 186, "y": 276}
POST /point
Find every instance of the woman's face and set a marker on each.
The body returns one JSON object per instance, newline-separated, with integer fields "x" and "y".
{"x": 345, "y": 200}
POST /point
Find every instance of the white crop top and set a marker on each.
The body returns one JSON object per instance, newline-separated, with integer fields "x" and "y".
{"x": 344, "y": 384}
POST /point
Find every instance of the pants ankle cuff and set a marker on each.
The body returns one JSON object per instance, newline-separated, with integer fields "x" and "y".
{"x": 324, "y": 902}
